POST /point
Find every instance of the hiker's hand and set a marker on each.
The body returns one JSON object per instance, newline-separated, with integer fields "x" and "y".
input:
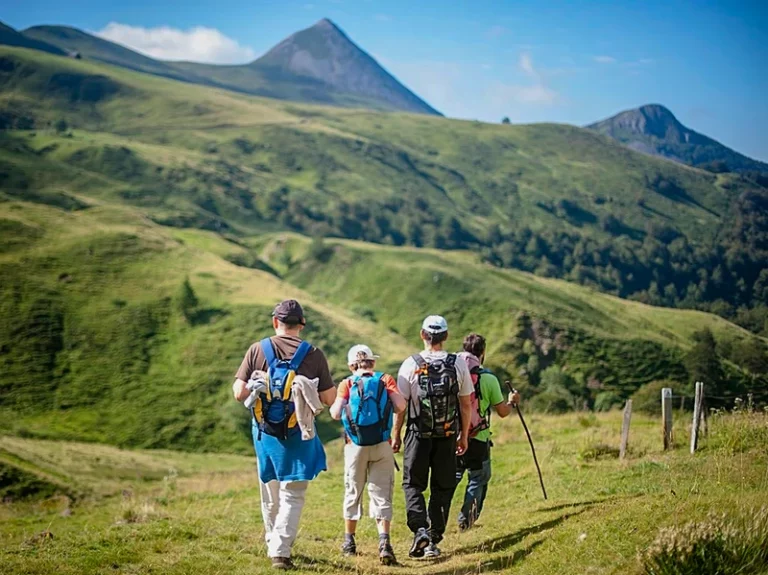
{"x": 513, "y": 399}
{"x": 396, "y": 443}
{"x": 461, "y": 446}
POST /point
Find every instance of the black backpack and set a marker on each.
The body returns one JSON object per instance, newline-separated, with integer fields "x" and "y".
{"x": 438, "y": 397}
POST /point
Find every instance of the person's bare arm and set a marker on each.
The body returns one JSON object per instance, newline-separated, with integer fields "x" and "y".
{"x": 398, "y": 402}
{"x": 328, "y": 396}
{"x": 239, "y": 390}
{"x": 465, "y": 405}
{"x": 337, "y": 408}
{"x": 503, "y": 409}
{"x": 397, "y": 430}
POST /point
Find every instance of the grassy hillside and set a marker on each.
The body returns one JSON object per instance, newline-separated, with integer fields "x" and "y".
{"x": 328, "y": 158}
{"x": 96, "y": 345}
{"x": 188, "y": 513}
{"x": 130, "y": 184}
{"x": 555, "y": 200}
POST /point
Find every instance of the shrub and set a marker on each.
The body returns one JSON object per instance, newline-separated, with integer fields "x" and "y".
{"x": 553, "y": 399}
{"x": 647, "y": 399}
{"x": 607, "y": 400}
{"x": 716, "y": 546}
{"x": 319, "y": 251}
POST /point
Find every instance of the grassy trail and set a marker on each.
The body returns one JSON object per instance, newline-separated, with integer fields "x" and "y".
{"x": 193, "y": 513}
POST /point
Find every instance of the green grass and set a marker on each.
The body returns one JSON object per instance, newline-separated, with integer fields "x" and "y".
{"x": 481, "y": 173}
{"x": 160, "y": 181}
{"x": 204, "y": 517}
{"x": 95, "y": 348}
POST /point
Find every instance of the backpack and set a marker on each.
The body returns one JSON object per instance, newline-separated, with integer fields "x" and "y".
{"x": 274, "y": 410}
{"x": 478, "y": 421}
{"x": 438, "y": 397}
{"x": 367, "y": 417}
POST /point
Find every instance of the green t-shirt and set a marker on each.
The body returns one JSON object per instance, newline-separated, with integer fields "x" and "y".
{"x": 490, "y": 394}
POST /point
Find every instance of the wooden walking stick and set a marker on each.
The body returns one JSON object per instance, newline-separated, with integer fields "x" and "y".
{"x": 530, "y": 441}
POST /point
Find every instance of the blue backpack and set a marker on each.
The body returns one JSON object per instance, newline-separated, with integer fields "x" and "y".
{"x": 274, "y": 410}
{"x": 367, "y": 417}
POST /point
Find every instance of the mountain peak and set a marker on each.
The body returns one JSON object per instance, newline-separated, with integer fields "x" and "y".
{"x": 654, "y": 129}
{"x": 326, "y": 23}
{"x": 324, "y": 53}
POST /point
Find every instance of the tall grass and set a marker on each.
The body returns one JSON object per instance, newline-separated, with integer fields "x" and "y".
{"x": 719, "y": 545}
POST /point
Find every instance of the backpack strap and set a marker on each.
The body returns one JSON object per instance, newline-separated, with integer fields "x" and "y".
{"x": 348, "y": 408}
{"x": 268, "y": 349}
{"x": 421, "y": 363}
{"x": 301, "y": 352}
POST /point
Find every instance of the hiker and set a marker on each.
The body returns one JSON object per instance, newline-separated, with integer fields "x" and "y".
{"x": 365, "y": 403}
{"x": 477, "y": 459}
{"x": 437, "y": 386}
{"x": 286, "y": 461}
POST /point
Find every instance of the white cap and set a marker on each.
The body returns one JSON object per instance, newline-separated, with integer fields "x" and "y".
{"x": 435, "y": 324}
{"x": 359, "y": 352}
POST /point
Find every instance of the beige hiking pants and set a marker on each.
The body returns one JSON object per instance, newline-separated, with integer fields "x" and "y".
{"x": 374, "y": 464}
{"x": 281, "y": 505}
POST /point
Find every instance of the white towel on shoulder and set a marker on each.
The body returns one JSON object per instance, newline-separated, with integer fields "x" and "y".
{"x": 306, "y": 401}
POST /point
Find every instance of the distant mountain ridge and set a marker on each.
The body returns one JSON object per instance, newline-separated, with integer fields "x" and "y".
{"x": 653, "y": 129}
{"x": 319, "y": 64}
{"x": 12, "y": 37}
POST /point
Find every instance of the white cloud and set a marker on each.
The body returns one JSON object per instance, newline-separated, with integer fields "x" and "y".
{"x": 198, "y": 44}
{"x": 525, "y": 63}
{"x": 536, "y": 94}
{"x": 604, "y": 59}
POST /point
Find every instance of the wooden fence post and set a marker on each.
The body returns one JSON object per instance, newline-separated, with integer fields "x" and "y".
{"x": 625, "y": 429}
{"x": 682, "y": 404}
{"x": 666, "y": 416}
{"x": 697, "y": 404}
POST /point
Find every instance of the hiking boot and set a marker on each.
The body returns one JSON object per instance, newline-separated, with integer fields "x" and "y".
{"x": 463, "y": 526}
{"x": 349, "y": 548}
{"x": 282, "y": 563}
{"x": 386, "y": 554}
{"x": 432, "y": 551}
{"x": 420, "y": 542}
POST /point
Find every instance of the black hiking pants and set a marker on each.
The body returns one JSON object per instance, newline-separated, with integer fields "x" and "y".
{"x": 422, "y": 456}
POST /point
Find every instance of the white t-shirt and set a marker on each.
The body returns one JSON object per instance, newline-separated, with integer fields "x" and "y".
{"x": 408, "y": 381}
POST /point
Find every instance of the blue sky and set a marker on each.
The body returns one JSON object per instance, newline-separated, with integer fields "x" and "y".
{"x": 572, "y": 62}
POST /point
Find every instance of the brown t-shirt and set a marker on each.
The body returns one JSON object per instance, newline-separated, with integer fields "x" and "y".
{"x": 315, "y": 365}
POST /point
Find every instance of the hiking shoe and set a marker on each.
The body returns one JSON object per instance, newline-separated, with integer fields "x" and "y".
{"x": 349, "y": 549}
{"x": 432, "y": 551}
{"x": 420, "y": 542}
{"x": 386, "y": 554}
{"x": 463, "y": 526}
{"x": 282, "y": 563}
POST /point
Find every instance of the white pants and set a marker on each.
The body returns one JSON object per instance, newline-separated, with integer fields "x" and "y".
{"x": 281, "y": 505}
{"x": 375, "y": 465}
